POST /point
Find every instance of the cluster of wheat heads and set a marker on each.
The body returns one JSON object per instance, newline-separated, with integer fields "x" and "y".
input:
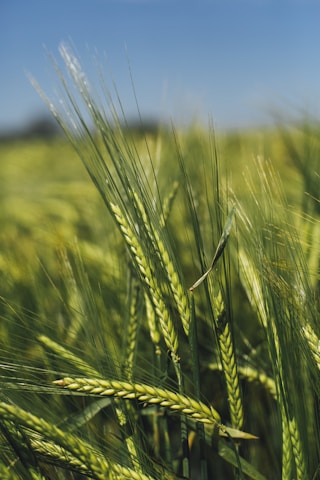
{"x": 281, "y": 282}
{"x": 165, "y": 385}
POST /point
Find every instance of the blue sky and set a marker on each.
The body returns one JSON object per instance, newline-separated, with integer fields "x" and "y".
{"x": 232, "y": 60}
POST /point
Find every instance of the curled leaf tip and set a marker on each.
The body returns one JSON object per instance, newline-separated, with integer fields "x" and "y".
{"x": 234, "y": 433}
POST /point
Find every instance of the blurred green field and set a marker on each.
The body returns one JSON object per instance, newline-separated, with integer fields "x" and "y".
{"x": 48, "y": 200}
{"x": 65, "y": 274}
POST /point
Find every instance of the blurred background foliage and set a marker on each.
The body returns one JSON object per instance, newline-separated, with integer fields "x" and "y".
{"x": 48, "y": 204}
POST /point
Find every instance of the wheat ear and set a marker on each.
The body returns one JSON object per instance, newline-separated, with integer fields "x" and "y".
{"x": 132, "y": 329}
{"x": 88, "y": 370}
{"x": 313, "y": 342}
{"x": 175, "y": 285}
{"x": 252, "y": 375}
{"x": 287, "y": 453}
{"x": 229, "y": 364}
{"x": 70, "y": 357}
{"x": 167, "y": 204}
{"x": 8, "y": 471}
{"x": 231, "y": 374}
{"x": 174, "y": 282}
{"x": 152, "y": 324}
{"x": 81, "y": 450}
{"x": 78, "y": 448}
{"x": 145, "y": 393}
{"x": 75, "y": 300}
{"x": 167, "y": 327}
{"x": 301, "y": 470}
{"x": 55, "y": 452}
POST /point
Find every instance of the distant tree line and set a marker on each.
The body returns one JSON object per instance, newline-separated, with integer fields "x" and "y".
{"x": 45, "y": 127}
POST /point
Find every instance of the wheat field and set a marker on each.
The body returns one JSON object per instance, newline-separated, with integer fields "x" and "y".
{"x": 159, "y": 299}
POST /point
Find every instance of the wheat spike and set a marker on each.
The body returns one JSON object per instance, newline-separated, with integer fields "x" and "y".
{"x": 132, "y": 330}
{"x": 167, "y": 327}
{"x": 174, "y": 282}
{"x": 313, "y": 342}
{"x": 175, "y": 285}
{"x": 151, "y": 319}
{"x": 88, "y": 370}
{"x": 73, "y": 359}
{"x": 301, "y": 470}
{"x": 144, "y": 393}
{"x": 229, "y": 364}
{"x": 231, "y": 375}
{"x": 78, "y": 448}
{"x": 252, "y": 375}
{"x": 287, "y": 453}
